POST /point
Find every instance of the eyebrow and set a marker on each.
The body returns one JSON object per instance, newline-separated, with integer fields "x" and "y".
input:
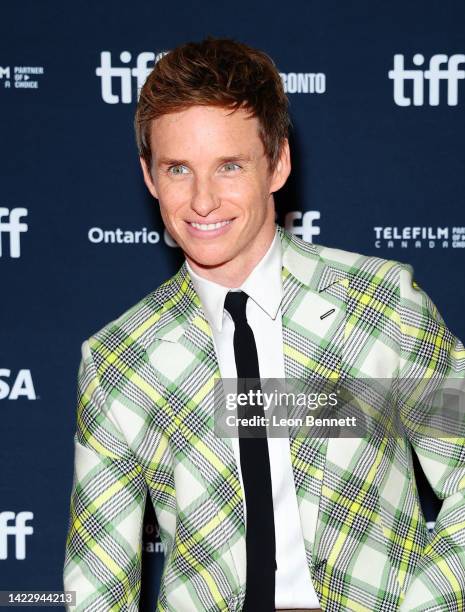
{"x": 167, "y": 161}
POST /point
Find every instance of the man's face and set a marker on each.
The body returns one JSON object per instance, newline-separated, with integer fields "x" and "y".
{"x": 210, "y": 174}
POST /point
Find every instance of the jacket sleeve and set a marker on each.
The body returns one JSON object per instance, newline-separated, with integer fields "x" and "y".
{"x": 433, "y": 358}
{"x": 104, "y": 540}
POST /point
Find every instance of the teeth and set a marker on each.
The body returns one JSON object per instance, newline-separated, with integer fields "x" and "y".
{"x": 209, "y": 226}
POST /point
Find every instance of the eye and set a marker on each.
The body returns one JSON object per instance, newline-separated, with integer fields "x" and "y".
{"x": 229, "y": 164}
{"x": 176, "y": 168}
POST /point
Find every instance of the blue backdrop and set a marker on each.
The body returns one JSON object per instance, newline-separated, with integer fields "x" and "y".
{"x": 377, "y": 98}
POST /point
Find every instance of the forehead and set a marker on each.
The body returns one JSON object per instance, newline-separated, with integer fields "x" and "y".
{"x": 203, "y": 129}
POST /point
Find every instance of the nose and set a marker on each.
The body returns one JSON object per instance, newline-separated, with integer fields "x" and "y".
{"x": 204, "y": 200}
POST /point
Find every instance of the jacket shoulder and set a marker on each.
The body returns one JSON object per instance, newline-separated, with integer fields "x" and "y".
{"x": 358, "y": 263}
{"x": 368, "y": 267}
{"x": 131, "y": 325}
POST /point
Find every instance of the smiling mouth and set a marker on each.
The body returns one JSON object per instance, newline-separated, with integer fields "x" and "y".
{"x": 206, "y": 227}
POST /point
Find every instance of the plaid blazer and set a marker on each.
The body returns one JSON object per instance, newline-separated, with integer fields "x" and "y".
{"x": 145, "y": 426}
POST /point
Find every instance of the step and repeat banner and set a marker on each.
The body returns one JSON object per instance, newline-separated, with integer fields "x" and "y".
{"x": 377, "y": 100}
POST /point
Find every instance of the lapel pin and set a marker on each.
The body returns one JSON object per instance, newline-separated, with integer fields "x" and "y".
{"x": 326, "y": 314}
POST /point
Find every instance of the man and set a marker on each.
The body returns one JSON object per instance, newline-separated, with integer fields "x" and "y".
{"x": 293, "y": 522}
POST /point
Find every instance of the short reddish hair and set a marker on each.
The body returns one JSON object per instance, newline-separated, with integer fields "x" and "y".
{"x": 216, "y": 72}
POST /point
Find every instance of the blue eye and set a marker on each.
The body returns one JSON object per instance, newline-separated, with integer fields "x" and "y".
{"x": 174, "y": 167}
{"x": 231, "y": 164}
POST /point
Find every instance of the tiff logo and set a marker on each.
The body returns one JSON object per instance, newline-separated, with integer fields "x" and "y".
{"x": 13, "y": 227}
{"x": 441, "y": 68}
{"x": 108, "y": 74}
{"x": 306, "y": 229}
{"x": 18, "y": 529}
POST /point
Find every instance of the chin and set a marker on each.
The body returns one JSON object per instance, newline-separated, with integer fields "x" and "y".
{"x": 209, "y": 262}
{"x": 212, "y": 259}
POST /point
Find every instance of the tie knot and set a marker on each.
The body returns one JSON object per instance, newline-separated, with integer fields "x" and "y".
{"x": 235, "y": 303}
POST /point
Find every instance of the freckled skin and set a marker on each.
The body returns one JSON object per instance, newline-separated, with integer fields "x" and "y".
{"x": 223, "y": 175}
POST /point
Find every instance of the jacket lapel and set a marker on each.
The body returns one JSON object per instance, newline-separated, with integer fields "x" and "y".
{"x": 313, "y": 312}
{"x": 185, "y": 362}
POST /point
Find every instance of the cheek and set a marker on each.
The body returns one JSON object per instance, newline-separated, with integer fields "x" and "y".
{"x": 172, "y": 196}
{"x": 244, "y": 191}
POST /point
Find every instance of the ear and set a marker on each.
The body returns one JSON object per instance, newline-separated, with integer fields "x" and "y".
{"x": 148, "y": 178}
{"x": 283, "y": 168}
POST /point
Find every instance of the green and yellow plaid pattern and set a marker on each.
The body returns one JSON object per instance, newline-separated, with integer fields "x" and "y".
{"x": 145, "y": 426}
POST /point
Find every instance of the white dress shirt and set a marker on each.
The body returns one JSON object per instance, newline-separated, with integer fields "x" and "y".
{"x": 294, "y": 588}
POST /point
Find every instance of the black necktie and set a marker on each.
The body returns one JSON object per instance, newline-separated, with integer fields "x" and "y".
{"x": 255, "y": 468}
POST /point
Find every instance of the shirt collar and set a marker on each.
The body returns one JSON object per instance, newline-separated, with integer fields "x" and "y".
{"x": 263, "y": 285}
